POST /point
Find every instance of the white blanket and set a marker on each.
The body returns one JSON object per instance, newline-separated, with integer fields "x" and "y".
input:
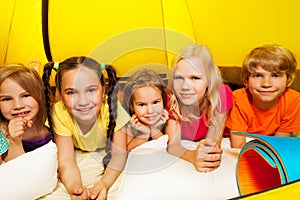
{"x": 152, "y": 173}
{"x": 30, "y": 175}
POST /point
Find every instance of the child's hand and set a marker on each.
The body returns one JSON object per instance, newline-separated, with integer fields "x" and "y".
{"x": 207, "y": 158}
{"x": 139, "y": 126}
{"x": 79, "y": 193}
{"x": 162, "y": 120}
{"x": 99, "y": 191}
{"x": 156, "y": 128}
{"x": 17, "y": 126}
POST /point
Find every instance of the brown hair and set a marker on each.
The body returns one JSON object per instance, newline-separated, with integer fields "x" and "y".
{"x": 270, "y": 57}
{"x": 29, "y": 79}
{"x": 140, "y": 79}
{"x": 110, "y": 86}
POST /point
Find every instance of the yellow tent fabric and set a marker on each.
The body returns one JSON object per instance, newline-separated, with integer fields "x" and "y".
{"x": 21, "y": 32}
{"x": 132, "y": 33}
{"x": 289, "y": 191}
{"x": 119, "y": 33}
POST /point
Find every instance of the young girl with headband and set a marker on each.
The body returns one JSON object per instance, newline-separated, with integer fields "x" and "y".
{"x": 84, "y": 122}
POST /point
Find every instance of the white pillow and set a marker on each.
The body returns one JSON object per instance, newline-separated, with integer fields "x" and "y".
{"x": 152, "y": 173}
{"x": 30, "y": 175}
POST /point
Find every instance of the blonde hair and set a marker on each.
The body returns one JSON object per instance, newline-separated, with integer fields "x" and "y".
{"x": 270, "y": 57}
{"x": 200, "y": 57}
{"x": 29, "y": 79}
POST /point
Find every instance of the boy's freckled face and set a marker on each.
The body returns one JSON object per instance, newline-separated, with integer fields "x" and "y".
{"x": 266, "y": 87}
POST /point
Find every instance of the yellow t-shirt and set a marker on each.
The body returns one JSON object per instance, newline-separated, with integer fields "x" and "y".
{"x": 65, "y": 125}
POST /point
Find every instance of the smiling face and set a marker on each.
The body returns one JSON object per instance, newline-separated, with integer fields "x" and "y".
{"x": 266, "y": 87}
{"x": 188, "y": 84}
{"x": 82, "y": 94}
{"x": 148, "y": 104}
{"x": 17, "y": 102}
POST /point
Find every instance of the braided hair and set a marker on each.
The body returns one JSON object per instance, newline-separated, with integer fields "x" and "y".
{"x": 110, "y": 85}
{"x": 112, "y": 91}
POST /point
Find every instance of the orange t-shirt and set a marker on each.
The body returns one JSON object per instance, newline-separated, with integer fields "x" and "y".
{"x": 283, "y": 117}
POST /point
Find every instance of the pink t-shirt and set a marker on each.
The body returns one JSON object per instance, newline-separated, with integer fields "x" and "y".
{"x": 195, "y": 129}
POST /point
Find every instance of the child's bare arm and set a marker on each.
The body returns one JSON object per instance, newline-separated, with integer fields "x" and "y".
{"x": 172, "y": 128}
{"x": 215, "y": 132}
{"x": 67, "y": 168}
{"x": 137, "y": 141}
{"x": 283, "y": 134}
{"x": 116, "y": 165}
{"x": 209, "y": 160}
{"x": 237, "y": 140}
{"x": 16, "y": 129}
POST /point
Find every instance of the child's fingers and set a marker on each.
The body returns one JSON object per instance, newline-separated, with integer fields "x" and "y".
{"x": 165, "y": 118}
{"x": 208, "y": 162}
{"x": 135, "y": 122}
{"x": 21, "y": 122}
{"x": 16, "y": 127}
{"x": 79, "y": 192}
{"x": 98, "y": 193}
{"x": 27, "y": 123}
{"x": 102, "y": 195}
{"x": 206, "y": 169}
{"x": 166, "y": 113}
{"x": 203, "y": 150}
{"x": 158, "y": 108}
{"x": 207, "y": 158}
{"x": 133, "y": 119}
{"x": 216, "y": 150}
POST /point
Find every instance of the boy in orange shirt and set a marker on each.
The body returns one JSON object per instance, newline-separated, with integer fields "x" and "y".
{"x": 266, "y": 105}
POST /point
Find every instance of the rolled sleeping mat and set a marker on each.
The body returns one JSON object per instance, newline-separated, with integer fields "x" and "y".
{"x": 267, "y": 162}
